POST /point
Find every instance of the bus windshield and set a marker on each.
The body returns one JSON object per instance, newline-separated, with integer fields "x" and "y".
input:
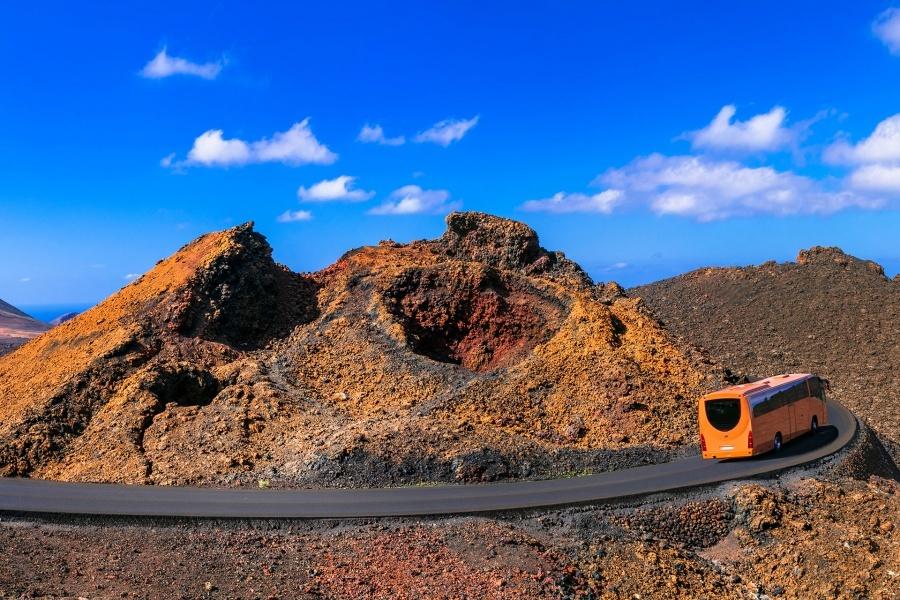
{"x": 724, "y": 413}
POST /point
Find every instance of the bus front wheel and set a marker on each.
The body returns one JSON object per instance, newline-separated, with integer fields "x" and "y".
{"x": 777, "y": 442}
{"x": 814, "y": 427}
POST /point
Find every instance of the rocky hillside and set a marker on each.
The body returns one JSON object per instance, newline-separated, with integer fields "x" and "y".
{"x": 475, "y": 356}
{"x": 16, "y": 327}
{"x": 828, "y": 313}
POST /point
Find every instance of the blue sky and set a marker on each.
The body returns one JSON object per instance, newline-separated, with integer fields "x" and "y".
{"x": 643, "y": 139}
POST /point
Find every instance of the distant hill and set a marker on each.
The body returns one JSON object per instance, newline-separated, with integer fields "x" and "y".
{"x": 16, "y": 327}
{"x": 63, "y": 318}
{"x": 828, "y": 313}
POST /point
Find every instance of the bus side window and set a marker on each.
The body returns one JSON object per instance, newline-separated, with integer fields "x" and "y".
{"x": 761, "y": 408}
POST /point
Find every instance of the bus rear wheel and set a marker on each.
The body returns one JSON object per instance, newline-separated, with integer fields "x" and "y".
{"x": 814, "y": 426}
{"x": 777, "y": 442}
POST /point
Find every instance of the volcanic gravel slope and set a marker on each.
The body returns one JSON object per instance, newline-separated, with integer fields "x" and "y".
{"x": 475, "y": 356}
{"x": 16, "y": 327}
{"x": 827, "y": 313}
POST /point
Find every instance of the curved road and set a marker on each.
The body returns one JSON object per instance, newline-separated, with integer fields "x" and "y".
{"x": 30, "y": 495}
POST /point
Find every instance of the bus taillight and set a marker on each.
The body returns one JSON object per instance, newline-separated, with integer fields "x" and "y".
{"x": 702, "y": 443}
{"x": 750, "y": 440}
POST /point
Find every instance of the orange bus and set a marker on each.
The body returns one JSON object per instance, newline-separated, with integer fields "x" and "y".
{"x": 752, "y": 418}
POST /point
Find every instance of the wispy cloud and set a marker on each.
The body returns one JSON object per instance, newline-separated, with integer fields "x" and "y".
{"x": 25, "y": 280}
{"x": 296, "y": 146}
{"x": 562, "y": 202}
{"x": 617, "y": 266}
{"x": 162, "y": 65}
{"x": 706, "y": 189}
{"x": 877, "y": 178}
{"x": 887, "y": 29}
{"x": 131, "y": 276}
{"x": 876, "y": 158}
{"x": 339, "y": 188}
{"x": 882, "y": 146}
{"x": 448, "y": 131}
{"x": 762, "y": 132}
{"x": 374, "y": 134}
{"x": 412, "y": 199}
{"x": 294, "y": 216}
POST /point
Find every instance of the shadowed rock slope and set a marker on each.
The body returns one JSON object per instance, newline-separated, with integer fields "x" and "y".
{"x": 828, "y": 313}
{"x": 475, "y": 356}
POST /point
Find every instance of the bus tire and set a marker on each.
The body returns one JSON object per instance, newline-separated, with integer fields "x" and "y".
{"x": 814, "y": 426}
{"x": 777, "y": 442}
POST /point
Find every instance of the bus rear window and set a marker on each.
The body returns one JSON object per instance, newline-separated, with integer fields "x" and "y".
{"x": 723, "y": 414}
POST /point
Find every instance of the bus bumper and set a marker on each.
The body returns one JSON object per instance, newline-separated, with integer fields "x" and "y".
{"x": 728, "y": 453}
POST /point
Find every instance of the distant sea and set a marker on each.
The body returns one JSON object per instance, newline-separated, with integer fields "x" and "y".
{"x": 48, "y": 312}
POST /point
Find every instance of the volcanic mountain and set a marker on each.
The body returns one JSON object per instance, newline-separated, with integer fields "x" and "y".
{"x": 17, "y": 327}
{"x": 475, "y": 356}
{"x": 828, "y": 313}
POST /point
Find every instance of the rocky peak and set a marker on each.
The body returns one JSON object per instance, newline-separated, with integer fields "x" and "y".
{"x": 825, "y": 255}
{"x": 506, "y": 244}
{"x": 491, "y": 240}
{"x": 238, "y": 294}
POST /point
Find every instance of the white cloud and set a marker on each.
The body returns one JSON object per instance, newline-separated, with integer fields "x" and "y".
{"x": 561, "y": 202}
{"x": 708, "y": 189}
{"x": 883, "y": 146}
{"x": 887, "y": 29}
{"x": 131, "y": 276}
{"x": 876, "y": 159}
{"x": 704, "y": 189}
{"x": 212, "y": 149}
{"x": 448, "y": 131}
{"x": 763, "y": 132}
{"x": 374, "y": 134}
{"x": 294, "y": 216}
{"x": 162, "y": 65}
{"x": 25, "y": 280}
{"x": 296, "y": 146}
{"x": 876, "y": 178}
{"x": 411, "y": 200}
{"x": 339, "y": 188}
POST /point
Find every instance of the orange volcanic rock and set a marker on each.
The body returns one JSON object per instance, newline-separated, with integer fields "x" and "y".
{"x": 475, "y": 356}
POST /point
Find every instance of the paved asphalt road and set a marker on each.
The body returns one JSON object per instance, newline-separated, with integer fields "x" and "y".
{"x": 29, "y": 495}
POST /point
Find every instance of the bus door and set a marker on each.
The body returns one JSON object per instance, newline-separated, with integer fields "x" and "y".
{"x": 792, "y": 420}
{"x": 801, "y": 422}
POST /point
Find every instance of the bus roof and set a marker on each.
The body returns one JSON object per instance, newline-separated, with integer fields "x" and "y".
{"x": 761, "y": 387}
